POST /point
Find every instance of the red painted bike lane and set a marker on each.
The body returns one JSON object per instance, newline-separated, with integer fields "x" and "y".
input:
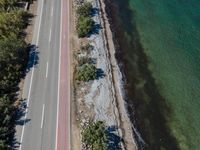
{"x": 63, "y": 124}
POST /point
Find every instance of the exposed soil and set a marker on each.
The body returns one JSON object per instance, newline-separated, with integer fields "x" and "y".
{"x": 103, "y": 98}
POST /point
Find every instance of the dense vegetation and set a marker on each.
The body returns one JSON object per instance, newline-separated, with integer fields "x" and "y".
{"x": 84, "y": 22}
{"x": 85, "y": 9}
{"x": 87, "y": 72}
{"x": 13, "y": 58}
{"x": 95, "y": 136}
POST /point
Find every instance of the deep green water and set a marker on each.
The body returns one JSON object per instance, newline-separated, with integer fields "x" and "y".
{"x": 160, "y": 44}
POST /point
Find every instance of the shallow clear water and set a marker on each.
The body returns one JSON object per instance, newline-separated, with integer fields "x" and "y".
{"x": 169, "y": 34}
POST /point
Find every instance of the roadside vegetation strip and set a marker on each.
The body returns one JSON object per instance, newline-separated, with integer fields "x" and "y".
{"x": 86, "y": 71}
{"x": 95, "y": 136}
{"x": 13, "y": 61}
{"x": 84, "y": 22}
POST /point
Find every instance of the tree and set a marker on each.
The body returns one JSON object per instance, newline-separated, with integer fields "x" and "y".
{"x": 2, "y": 143}
{"x": 6, "y": 5}
{"x": 84, "y": 26}
{"x": 13, "y": 58}
{"x": 85, "y": 9}
{"x": 14, "y": 50}
{"x": 95, "y": 135}
{"x": 11, "y": 23}
{"x": 87, "y": 72}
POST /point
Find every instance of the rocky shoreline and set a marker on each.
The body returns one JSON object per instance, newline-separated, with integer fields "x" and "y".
{"x": 111, "y": 9}
{"x": 118, "y": 80}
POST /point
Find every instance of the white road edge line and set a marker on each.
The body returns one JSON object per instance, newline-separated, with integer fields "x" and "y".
{"x": 47, "y": 67}
{"x": 58, "y": 94}
{"x": 29, "y": 92}
{"x": 42, "y": 120}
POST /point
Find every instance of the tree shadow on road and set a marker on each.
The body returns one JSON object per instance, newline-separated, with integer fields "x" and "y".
{"x": 20, "y": 113}
{"x": 33, "y": 57}
{"x": 20, "y": 110}
{"x": 20, "y": 120}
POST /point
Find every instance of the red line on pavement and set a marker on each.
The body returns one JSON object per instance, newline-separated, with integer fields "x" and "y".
{"x": 63, "y": 131}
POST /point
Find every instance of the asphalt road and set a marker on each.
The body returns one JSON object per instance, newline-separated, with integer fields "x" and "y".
{"x": 38, "y": 130}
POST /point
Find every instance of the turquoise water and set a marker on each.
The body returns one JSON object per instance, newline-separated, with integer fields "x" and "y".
{"x": 161, "y": 52}
{"x": 170, "y": 34}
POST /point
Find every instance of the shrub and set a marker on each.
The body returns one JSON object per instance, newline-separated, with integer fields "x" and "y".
{"x": 84, "y": 60}
{"x": 85, "y": 9}
{"x": 84, "y": 26}
{"x": 95, "y": 136}
{"x": 86, "y": 47}
{"x": 87, "y": 72}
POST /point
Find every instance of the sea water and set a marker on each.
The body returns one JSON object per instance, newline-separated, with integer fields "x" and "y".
{"x": 160, "y": 44}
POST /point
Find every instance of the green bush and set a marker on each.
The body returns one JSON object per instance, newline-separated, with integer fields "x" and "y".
{"x": 85, "y": 22}
{"x": 87, "y": 72}
{"x": 85, "y": 9}
{"x": 84, "y": 26}
{"x": 95, "y": 136}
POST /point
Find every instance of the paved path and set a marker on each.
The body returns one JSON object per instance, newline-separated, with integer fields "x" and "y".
{"x": 63, "y": 133}
{"x": 46, "y": 87}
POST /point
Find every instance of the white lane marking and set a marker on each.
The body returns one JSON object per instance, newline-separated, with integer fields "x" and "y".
{"x": 47, "y": 67}
{"x": 50, "y": 36}
{"x": 52, "y": 12}
{"x": 58, "y": 94}
{"x": 42, "y": 120}
{"x": 26, "y": 111}
{"x": 29, "y": 92}
{"x": 40, "y": 23}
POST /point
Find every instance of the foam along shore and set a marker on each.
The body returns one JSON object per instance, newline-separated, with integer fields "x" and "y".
{"x": 105, "y": 95}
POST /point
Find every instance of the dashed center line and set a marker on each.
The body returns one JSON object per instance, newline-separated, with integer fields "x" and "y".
{"x": 47, "y": 67}
{"x": 42, "y": 115}
{"x": 52, "y": 12}
{"x": 50, "y": 36}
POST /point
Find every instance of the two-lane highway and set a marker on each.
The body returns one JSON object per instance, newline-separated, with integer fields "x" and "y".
{"x": 41, "y": 87}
